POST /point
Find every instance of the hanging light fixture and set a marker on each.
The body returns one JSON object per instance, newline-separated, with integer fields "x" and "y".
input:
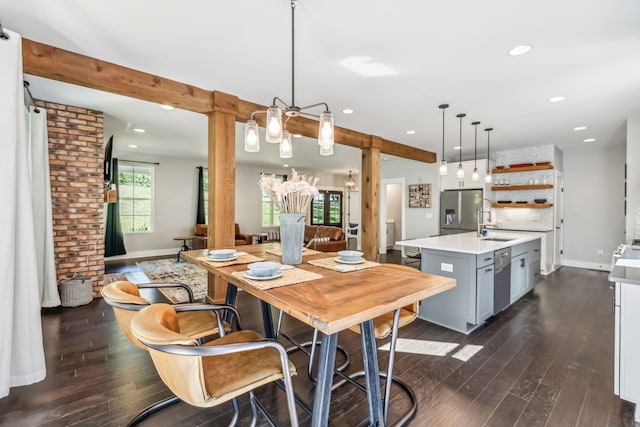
{"x": 276, "y": 129}
{"x": 350, "y": 183}
{"x": 443, "y": 162}
{"x": 487, "y": 177}
{"x": 460, "y": 172}
{"x": 286, "y": 148}
{"x": 475, "y": 176}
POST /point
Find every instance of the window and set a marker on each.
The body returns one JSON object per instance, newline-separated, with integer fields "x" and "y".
{"x": 270, "y": 210}
{"x": 135, "y": 185}
{"x": 326, "y": 209}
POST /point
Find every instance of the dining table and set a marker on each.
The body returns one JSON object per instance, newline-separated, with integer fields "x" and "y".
{"x": 331, "y": 300}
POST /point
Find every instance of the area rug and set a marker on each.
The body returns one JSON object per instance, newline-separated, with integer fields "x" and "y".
{"x": 170, "y": 271}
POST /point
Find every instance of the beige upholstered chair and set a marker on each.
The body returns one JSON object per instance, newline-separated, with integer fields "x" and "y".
{"x": 218, "y": 371}
{"x": 125, "y": 299}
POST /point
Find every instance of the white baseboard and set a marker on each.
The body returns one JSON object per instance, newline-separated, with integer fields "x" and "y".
{"x": 145, "y": 254}
{"x": 584, "y": 264}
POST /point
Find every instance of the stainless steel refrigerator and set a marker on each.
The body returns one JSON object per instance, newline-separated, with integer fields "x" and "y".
{"x": 459, "y": 211}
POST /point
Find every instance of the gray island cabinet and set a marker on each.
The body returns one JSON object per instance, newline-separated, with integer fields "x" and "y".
{"x": 470, "y": 260}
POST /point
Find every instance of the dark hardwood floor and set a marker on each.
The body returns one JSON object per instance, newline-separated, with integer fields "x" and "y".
{"x": 546, "y": 361}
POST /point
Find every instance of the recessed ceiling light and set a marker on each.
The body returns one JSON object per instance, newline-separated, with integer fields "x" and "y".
{"x": 520, "y": 50}
{"x": 590, "y": 140}
{"x": 457, "y": 147}
{"x": 347, "y": 111}
{"x": 411, "y": 132}
{"x": 133, "y": 146}
{"x": 580, "y": 128}
{"x": 557, "y": 99}
{"x": 139, "y": 130}
{"x": 167, "y": 107}
{"x": 285, "y": 166}
{"x": 297, "y": 135}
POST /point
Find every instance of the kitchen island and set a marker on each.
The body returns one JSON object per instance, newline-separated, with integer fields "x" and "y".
{"x": 492, "y": 272}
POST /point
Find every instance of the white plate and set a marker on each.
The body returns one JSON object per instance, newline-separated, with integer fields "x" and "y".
{"x": 248, "y": 275}
{"x": 341, "y": 261}
{"x": 223, "y": 259}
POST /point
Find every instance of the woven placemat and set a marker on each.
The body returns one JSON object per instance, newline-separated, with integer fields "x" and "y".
{"x": 332, "y": 264}
{"x": 289, "y": 277}
{"x": 243, "y": 259}
{"x": 305, "y": 251}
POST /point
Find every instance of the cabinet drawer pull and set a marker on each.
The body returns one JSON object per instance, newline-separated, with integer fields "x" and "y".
{"x": 487, "y": 259}
{"x": 488, "y": 270}
{"x": 536, "y": 250}
{"x": 613, "y": 306}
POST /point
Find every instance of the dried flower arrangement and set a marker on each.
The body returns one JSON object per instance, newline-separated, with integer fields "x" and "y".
{"x": 293, "y": 195}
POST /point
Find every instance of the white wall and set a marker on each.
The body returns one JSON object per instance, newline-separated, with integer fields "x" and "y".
{"x": 175, "y": 199}
{"x": 633, "y": 179}
{"x": 593, "y": 204}
{"x": 419, "y": 222}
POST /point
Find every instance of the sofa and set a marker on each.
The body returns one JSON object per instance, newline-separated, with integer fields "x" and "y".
{"x": 324, "y": 238}
{"x": 241, "y": 239}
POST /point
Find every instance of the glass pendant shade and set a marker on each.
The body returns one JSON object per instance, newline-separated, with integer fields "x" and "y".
{"x": 325, "y": 129}
{"x": 286, "y": 148}
{"x": 475, "y": 176}
{"x": 274, "y": 125}
{"x": 487, "y": 177}
{"x": 326, "y": 150}
{"x": 443, "y": 167}
{"x": 350, "y": 183}
{"x": 251, "y": 140}
{"x": 460, "y": 172}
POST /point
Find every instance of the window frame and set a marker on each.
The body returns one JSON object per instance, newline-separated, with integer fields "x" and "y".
{"x": 272, "y": 207}
{"x": 326, "y": 196}
{"x": 152, "y": 172}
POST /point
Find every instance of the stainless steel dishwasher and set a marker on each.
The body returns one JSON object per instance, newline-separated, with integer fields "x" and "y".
{"x": 501, "y": 279}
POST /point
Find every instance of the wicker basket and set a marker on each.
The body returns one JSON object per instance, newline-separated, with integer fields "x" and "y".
{"x": 76, "y": 291}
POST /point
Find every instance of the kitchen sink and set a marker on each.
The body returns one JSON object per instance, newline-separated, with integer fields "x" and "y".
{"x": 496, "y": 239}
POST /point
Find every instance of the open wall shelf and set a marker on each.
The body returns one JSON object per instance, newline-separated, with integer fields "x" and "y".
{"x": 523, "y": 205}
{"x": 523, "y": 169}
{"x": 521, "y": 187}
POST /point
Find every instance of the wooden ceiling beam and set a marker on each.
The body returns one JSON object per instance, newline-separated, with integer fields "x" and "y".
{"x": 58, "y": 64}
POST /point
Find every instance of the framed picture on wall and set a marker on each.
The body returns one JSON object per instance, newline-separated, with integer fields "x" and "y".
{"x": 419, "y": 195}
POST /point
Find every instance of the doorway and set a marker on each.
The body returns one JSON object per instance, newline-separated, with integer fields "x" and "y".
{"x": 392, "y": 213}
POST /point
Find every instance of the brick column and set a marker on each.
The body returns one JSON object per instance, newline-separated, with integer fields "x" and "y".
{"x": 75, "y": 158}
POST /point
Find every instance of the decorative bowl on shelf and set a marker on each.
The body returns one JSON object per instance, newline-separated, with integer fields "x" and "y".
{"x": 504, "y": 202}
{"x": 542, "y": 163}
{"x": 540, "y": 200}
{"x": 499, "y": 167}
{"x": 521, "y": 165}
{"x": 522, "y": 202}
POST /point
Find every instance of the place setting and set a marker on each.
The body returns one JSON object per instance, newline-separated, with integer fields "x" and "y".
{"x": 227, "y": 257}
{"x": 345, "y": 261}
{"x": 268, "y": 275}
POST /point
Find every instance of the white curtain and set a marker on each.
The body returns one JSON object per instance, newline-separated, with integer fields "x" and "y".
{"x": 41, "y": 196}
{"x": 21, "y": 349}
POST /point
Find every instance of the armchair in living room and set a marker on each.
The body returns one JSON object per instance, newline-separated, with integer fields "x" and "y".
{"x": 240, "y": 239}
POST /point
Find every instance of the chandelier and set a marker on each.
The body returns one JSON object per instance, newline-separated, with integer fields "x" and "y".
{"x": 276, "y": 130}
{"x": 350, "y": 183}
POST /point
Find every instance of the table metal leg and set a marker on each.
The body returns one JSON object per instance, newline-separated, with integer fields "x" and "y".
{"x": 267, "y": 320}
{"x": 230, "y": 298}
{"x": 372, "y": 373}
{"x": 326, "y": 364}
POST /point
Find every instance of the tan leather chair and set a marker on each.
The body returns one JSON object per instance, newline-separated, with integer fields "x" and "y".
{"x": 217, "y": 371}
{"x": 124, "y": 297}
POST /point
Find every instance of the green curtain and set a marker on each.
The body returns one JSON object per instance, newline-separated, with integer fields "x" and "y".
{"x": 113, "y": 238}
{"x": 200, "y": 219}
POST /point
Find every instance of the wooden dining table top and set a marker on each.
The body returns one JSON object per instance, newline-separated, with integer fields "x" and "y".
{"x": 338, "y": 300}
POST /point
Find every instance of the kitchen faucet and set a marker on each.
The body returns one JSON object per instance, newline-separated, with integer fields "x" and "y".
{"x": 481, "y": 212}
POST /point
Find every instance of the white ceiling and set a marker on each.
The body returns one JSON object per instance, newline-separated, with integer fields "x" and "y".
{"x": 453, "y": 52}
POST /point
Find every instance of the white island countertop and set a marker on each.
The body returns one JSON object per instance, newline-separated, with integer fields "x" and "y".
{"x": 470, "y": 243}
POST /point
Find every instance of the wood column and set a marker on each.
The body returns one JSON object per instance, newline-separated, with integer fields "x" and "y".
{"x": 222, "y": 182}
{"x": 370, "y": 193}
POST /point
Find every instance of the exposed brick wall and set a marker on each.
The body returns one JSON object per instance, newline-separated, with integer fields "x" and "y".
{"x": 75, "y": 159}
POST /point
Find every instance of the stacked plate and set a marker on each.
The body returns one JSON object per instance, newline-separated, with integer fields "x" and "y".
{"x": 221, "y": 255}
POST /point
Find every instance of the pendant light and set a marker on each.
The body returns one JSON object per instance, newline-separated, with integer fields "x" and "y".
{"x": 475, "y": 176}
{"x": 286, "y": 149}
{"x": 350, "y": 183}
{"x": 487, "y": 177}
{"x": 443, "y": 162}
{"x": 460, "y": 172}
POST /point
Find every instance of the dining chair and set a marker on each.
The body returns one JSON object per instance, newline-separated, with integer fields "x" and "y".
{"x": 218, "y": 371}
{"x": 124, "y": 297}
